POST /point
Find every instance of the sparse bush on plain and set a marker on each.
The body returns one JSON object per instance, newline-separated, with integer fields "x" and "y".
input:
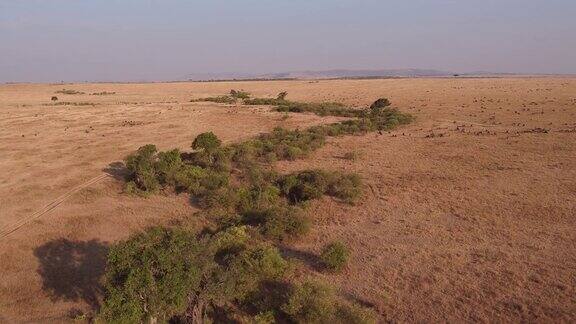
{"x": 263, "y": 101}
{"x": 314, "y": 302}
{"x": 168, "y": 165}
{"x": 350, "y": 313}
{"x": 239, "y": 94}
{"x": 207, "y": 142}
{"x": 380, "y": 104}
{"x": 173, "y": 275}
{"x": 280, "y": 223}
{"x": 149, "y": 276}
{"x": 68, "y": 103}
{"x": 103, "y": 93}
{"x": 352, "y": 155}
{"x": 306, "y": 185}
{"x": 313, "y": 184}
{"x": 334, "y": 256}
{"x": 142, "y": 168}
{"x": 162, "y": 273}
{"x": 346, "y": 187}
{"x": 219, "y": 99}
{"x": 282, "y": 95}
{"x": 69, "y": 92}
{"x": 311, "y": 302}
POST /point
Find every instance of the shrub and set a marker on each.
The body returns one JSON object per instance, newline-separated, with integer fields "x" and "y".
{"x": 224, "y": 200}
{"x": 219, "y": 99}
{"x": 304, "y": 186}
{"x": 280, "y": 222}
{"x": 264, "y": 318}
{"x": 347, "y": 187}
{"x": 312, "y": 184}
{"x": 240, "y": 273}
{"x": 142, "y": 168}
{"x": 352, "y": 156}
{"x": 257, "y": 198}
{"x": 385, "y": 119}
{"x": 103, "y": 93}
{"x": 150, "y": 275}
{"x": 282, "y": 95}
{"x": 239, "y": 94}
{"x": 190, "y": 178}
{"x": 284, "y": 223}
{"x": 262, "y": 101}
{"x": 355, "y": 314}
{"x": 334, "y": 256}
{"x": 69, "y": 92}
{"x": 207, "y": 142}
{"x": 168, "y": 166}
{"x": 380, "y": 104}
{"x": 54, "y": 98}
{"x": 320, "y": 109}
{"x": 215, "y": 180}
{"x": 281, "y": 144}
{"x": 311, "y": 302}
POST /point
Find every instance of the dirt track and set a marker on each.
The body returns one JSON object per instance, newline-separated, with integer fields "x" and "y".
{"x": 471, "y": 214}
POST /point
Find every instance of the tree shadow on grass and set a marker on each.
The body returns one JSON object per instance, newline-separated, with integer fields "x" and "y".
{"x": 310, "y": 259}
{"x": 72, "y": 270}
{"x": 117, "y": 170}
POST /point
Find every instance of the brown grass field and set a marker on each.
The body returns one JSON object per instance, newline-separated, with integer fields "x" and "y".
{"x": 468, "y": 214}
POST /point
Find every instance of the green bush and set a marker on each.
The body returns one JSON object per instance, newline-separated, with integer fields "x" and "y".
{"x": 263, "y": 101}
{"x": 239, "y": 94}
{"x": 264, "y": 318}
{"x": 334, "y": 256}
{"x": 141, "y": 166}
{"x": 159, "y": 274}
{"x": 279, "y": 222}
{"x": 219, "y": 99}
{"x": 69, "y": 92}
{"x": 380, "y": 104}
{"x": 313, "y": 184}
{"x": 282, "y": 95}
{"x": 281, "y": 144}
{"x": 350, "y": 313}
{"x": 347, "y": 187}
{"x": 285, "y": 223}
{"x": 320, "y": 109}
{"x": 103, "y": 93}
{"x": 207, "y": 142}
{"x": 304, "y": 186}
{"x": 352, "y": 156}
{"x": 257, "y": 198}
{"x": 150, "y": 275}
{"x": 311, "y": 302}
{"x": 168, "y": 166}
{"x": 189, "y": 178}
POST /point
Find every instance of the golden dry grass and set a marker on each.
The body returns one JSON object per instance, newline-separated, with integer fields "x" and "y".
{"x": 468, "y": 213}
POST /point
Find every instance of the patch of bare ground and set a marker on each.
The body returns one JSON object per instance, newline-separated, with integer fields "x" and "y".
{"x": 467, "y": 215}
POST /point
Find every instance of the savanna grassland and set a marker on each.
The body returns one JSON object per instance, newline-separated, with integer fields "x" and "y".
{"x": 467, "y": 213}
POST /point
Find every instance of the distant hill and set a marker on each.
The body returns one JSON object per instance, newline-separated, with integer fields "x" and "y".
{"x": 327, "y": 74}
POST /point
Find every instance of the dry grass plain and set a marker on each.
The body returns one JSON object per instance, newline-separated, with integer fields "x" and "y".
{"x": 469, "y": 213}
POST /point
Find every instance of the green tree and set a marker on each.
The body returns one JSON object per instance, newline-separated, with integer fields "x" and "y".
{"x": 150, "y": 275}
{"x": 207, "y": 142}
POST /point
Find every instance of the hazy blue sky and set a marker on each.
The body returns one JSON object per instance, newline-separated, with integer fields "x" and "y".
{"x": 53, "y": 40}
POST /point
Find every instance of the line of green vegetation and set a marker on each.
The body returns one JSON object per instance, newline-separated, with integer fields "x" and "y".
{"x": 103, "y": 93}
{"x": 230, "y": 98}
{"x": 69, "y": 92}
{"x": 234, "y": 271}
{"x": 219, "y": 99}
{"x": 68, "y": 103}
